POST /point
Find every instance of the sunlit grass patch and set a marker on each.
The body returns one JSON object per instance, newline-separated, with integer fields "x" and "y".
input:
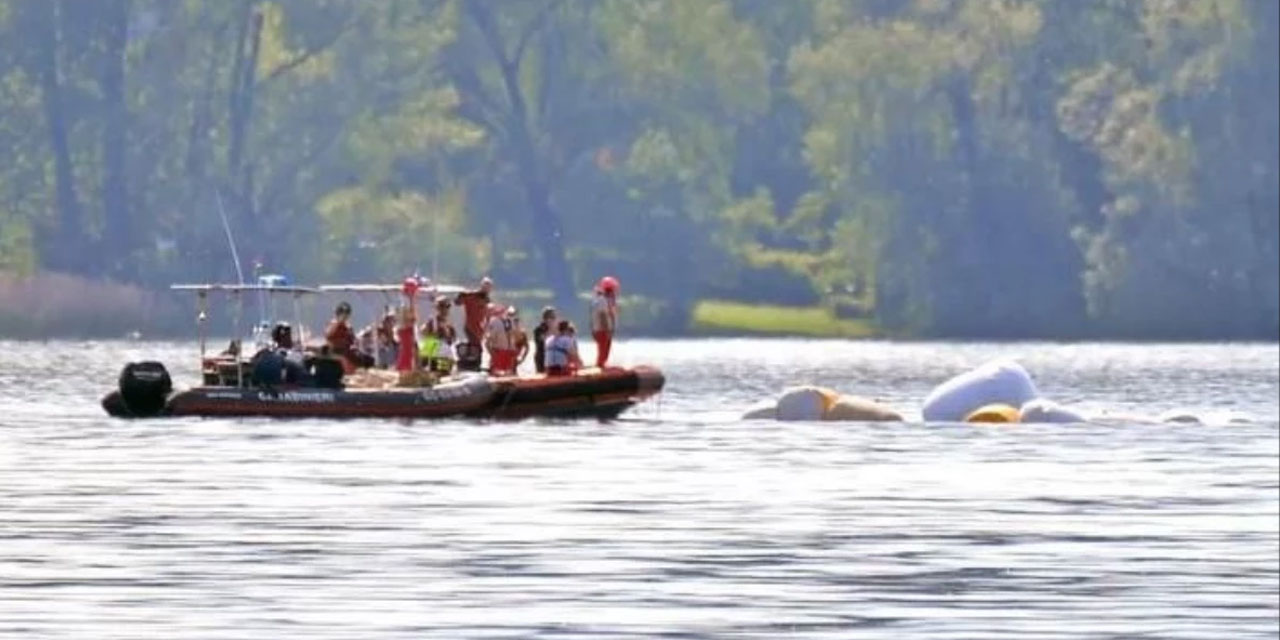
{"x": 722, "y": 318}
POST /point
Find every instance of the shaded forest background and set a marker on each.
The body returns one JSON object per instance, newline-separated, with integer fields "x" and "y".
{"x": 960, "y": 168}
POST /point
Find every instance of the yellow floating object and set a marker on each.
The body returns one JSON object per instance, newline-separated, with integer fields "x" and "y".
{"x": 829, "y": 398}
{"x": 855, "y": 409}
{"x": 993, "y": 413}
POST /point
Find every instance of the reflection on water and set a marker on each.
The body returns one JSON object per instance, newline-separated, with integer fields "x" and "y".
{"x": 676, "y": 522}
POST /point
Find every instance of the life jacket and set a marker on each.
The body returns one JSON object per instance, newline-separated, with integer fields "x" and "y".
{"x": 429, "y": 346}
{"x": 435, "y": 335}
{"x": 340, "y": 337}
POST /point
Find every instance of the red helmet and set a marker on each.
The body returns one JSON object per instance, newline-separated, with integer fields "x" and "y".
{"x": 608, "y": 284}
{"x": 410, "y": 286}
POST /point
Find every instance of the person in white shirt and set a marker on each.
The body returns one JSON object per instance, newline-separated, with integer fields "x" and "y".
{"x": 501, "y": 339}
{"x": 562, "y": 351}
{"x": 604, "y": 318}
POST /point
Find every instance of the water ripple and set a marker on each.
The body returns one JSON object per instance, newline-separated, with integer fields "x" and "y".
{"x": 676, "y": 522}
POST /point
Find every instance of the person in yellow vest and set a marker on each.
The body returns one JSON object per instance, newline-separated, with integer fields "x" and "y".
{"x": 435, "y": 350}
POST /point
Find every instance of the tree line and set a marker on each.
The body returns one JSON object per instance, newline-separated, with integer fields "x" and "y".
{"x": 997, "y": 168}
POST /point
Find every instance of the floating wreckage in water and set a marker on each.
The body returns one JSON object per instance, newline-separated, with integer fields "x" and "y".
{"x": 814, "y": 404}
{"x": 996, "y": 392}
{"x": 1001, "y": 391}
{"x": 1046, "y": 411}
{"x": 999, "y": 382}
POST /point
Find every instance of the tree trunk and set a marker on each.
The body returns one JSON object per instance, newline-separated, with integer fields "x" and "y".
{"x": 966, "y": 313}
{"x": 544, "y": 219}
{"x": 547, "y": 232}
{"x": 243, "y": 83}
{"x": 118, "y": 234}
{"x": 248, "y": 85}
{"x": 202, "y": 111}
{"x": 236, "y": 86}
{"x": 69, "y": 237}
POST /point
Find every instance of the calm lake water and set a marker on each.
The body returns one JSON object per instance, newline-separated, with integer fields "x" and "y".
{"x": 676, "y": 522}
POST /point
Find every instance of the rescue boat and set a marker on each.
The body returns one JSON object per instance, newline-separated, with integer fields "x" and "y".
{"x": 231, "y": 387}
{"x": 146, "y": 391}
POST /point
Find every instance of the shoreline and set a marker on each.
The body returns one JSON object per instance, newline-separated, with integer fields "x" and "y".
{"x": 167, "y": 336}
{"x": 54, "y": 307}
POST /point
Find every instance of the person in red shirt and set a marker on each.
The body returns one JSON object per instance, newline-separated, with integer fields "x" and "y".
{"x": 340, "y": 338}
{"x": 406, "y": 358}
{"x": 475, "y": 311}
{"x": 475, "y": 314}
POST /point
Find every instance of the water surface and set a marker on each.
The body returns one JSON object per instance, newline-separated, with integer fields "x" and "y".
{"x": 676, "y": 522}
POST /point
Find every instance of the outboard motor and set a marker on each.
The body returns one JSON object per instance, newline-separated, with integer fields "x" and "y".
{"x": 144, "y": 390}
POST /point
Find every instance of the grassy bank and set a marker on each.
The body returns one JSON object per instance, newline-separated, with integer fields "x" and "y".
{"x": 61, "y": 306}
{"x": 650, "y": 317}
{"x": 720, "y": 318}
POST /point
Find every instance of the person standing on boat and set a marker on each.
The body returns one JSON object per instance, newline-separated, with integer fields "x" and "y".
{"x": 295, "y": 363}
{"x": 438, "y": 336}
{"x": 562, "y": 351}
{"x": 544, "y": 330}
{"x": 406, "y": 358}
{"x": 339, "y": 337}
{"x": 500, "y": 338}
{"x": 386, "y": 340}
{"x": 367, "y": 344}
{"x": 604, "y": 318}
{"x": 475, "y": 310}
{"x": 519, "y": 337}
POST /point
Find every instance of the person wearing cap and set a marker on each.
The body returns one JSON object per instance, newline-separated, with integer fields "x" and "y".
{"x": 475, "y": 316}
{"x": 435, "y": 351}
{"x": 500, "y": 339}
{"x": 340, "y": 338}
{"x": 604, "y": 318}
{"x": 544, "y": 330}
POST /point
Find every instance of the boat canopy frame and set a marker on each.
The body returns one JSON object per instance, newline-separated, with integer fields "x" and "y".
{"x": 393, "y": 292}
{"x": 266, "y": 290}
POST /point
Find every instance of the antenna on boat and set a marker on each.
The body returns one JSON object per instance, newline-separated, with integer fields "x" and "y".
{"x": 226, "y": 226}
{"x": 236, "y": 307}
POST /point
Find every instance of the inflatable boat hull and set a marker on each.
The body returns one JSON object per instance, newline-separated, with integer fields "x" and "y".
{"x": 601, "y": 394}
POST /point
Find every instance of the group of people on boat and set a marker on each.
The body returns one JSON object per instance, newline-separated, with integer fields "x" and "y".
{"x": 397, "y": 341}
